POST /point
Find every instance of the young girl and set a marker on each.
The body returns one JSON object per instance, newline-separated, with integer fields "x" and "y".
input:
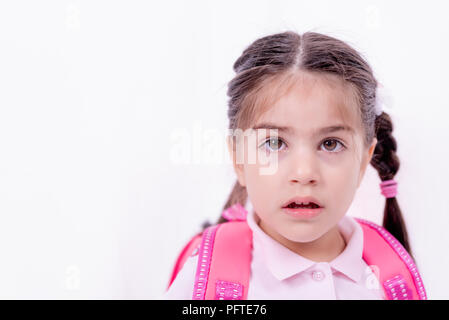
{"x": 314, "y": 118}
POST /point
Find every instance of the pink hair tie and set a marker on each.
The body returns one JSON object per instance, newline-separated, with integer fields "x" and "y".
{"x": 389, "y": 188}
{"x": 235, "y": 212}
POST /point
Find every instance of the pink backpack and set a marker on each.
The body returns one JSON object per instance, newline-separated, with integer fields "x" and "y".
{"x": 224, "y": 262}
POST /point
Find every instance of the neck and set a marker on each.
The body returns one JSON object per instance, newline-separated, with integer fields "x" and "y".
{"x": 324, "y": 249}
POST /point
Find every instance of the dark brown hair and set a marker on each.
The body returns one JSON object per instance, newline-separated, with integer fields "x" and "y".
{"x": 269, "y": 59}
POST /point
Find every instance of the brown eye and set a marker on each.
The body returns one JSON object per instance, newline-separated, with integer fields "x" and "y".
{"x": 331, "y": 144}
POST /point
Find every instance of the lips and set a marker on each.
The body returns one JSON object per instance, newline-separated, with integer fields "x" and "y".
{"x": 299, "y": 202}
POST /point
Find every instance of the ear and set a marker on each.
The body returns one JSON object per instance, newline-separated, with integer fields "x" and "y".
{"x": 366, "y": 160}
{"x": 238, "y": 167}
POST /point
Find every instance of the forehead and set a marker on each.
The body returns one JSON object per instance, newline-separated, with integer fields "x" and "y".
{"x": 308, "y": 102}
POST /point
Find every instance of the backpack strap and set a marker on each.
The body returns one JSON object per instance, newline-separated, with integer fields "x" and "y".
{"x": 189, "y": 249}
{"x": 224, "y": 262}
{"x": 398, "y": 273}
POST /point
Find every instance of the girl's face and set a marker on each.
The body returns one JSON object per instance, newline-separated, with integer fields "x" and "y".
{"x": 308, "y": 161}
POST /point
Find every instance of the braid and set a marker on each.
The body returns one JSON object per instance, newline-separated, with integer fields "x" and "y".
{"x": 386, "y": 162}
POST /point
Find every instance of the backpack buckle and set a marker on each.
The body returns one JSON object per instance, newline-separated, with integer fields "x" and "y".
{"x": 397, "y": 289}
{"x": 226, "y": 290}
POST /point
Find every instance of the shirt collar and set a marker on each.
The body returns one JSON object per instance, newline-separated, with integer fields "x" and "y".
{"x": 284, "y": 263}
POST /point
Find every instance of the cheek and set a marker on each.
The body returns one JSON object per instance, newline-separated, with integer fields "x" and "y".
{"x": 258, "y": 173}
{"x": 262, "y": 189}
{"x": 344, "y": 177}
{"x": 342, "y": 185}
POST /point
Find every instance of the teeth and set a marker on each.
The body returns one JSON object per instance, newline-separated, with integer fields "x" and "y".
{"x": 305, "y": 204}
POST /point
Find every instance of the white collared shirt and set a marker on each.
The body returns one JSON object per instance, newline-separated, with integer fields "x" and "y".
{"x": 279, "y": 273}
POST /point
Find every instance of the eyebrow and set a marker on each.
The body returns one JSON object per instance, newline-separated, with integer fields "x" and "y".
{"x": 290, "y": 130}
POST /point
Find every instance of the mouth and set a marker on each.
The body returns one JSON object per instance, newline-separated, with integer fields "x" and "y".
{"x": 307, "y": 202}
{"x": 302, "y": 207}
{"x": 294, "y": 205}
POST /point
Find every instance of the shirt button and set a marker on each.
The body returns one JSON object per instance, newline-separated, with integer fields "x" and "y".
{"x": 318, "y": 275}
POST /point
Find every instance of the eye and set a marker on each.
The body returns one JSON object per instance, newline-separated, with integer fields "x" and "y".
{"x": 331, "y": 143}
{"x": 273, "y": 144}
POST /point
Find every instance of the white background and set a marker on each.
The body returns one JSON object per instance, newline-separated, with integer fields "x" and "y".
{"x": 94, "y": 93}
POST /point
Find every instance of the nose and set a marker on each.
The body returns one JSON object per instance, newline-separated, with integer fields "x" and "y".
{"x": 304, "y": 168}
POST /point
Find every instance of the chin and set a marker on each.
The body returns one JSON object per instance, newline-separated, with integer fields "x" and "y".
{"x": 302, "y": 234}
